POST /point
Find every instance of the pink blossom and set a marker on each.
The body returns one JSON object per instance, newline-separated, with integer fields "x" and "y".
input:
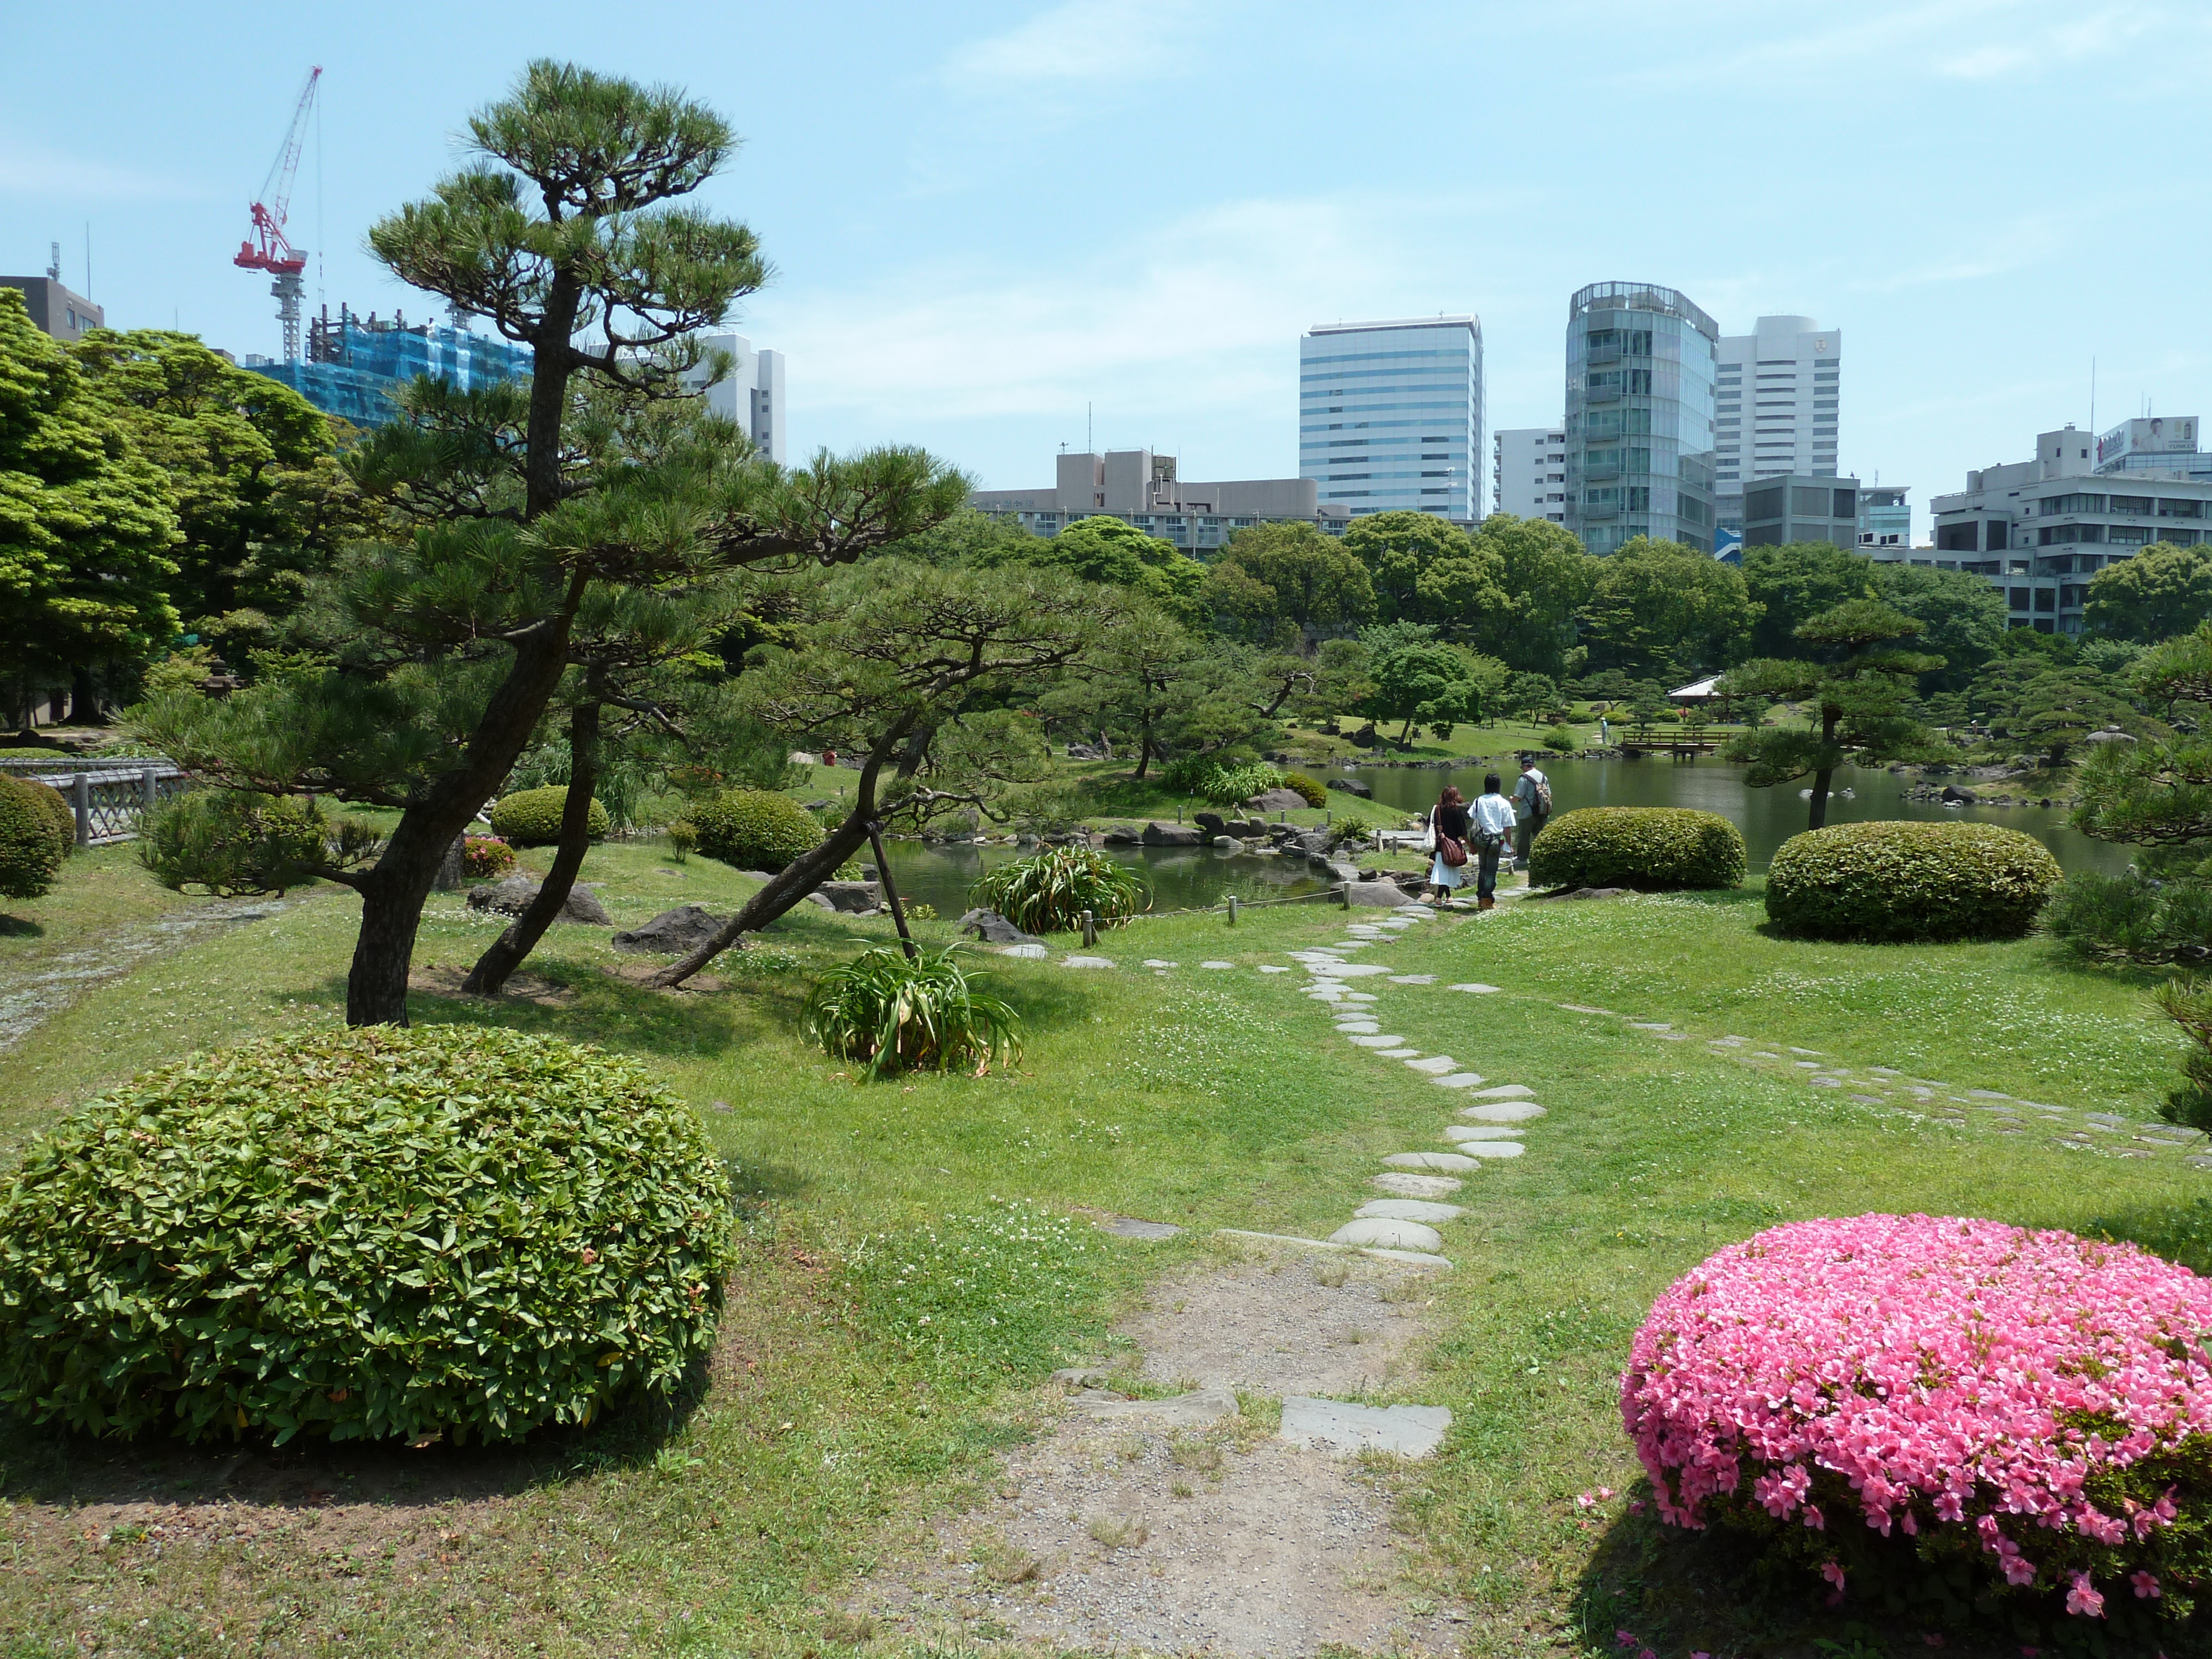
{"x": 2146, "y": 1585}
{"x": 1926, "y": 1366}
{"x": 2083, "y": 1598}
{"x": 1832, "y": 1573}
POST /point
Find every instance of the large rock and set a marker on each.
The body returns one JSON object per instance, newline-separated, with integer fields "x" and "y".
{"x": 1952, "y": 792}
{"x": 1173, "y": 834}
{"x": 1366, "y": 737}
{"x": 1353, "y": 787}
{"x": 1122, "y": 835}
{"x": 672, "y": 932}
{"x": 513, "y": 896}
{"x": 1277, "y": 800}
{"x": 1376, "y": 895}
{"x": 855, "y": 898}
{"x": 1214, "y": 825}
{"x": 1315, "y": 843}
{"x": 994, "y": 929}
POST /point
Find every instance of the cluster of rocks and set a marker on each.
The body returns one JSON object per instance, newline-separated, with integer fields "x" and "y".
{"x": 1950, "y": 794}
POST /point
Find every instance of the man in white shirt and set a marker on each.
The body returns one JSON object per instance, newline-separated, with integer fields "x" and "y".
{"x": 1532, "y": 798}
{"x": 1491, "y": 831}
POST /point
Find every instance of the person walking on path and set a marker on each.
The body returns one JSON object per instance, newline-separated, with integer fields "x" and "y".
{"x": 1493, "y": 829}
{"x": 1532, "y": 797}
{"x": 1448, "y": 833}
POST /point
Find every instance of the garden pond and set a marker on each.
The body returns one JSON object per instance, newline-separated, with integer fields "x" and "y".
{"x": 1191, "y": 878}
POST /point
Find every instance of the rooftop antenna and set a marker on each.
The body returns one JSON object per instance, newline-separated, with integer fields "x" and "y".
{"x": 1090, "y": 444}
{"x": 2093, "y": 397}
{"x": 54, "y": 269}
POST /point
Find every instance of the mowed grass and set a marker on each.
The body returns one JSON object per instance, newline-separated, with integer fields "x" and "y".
{"x": 1207, "y": 1098}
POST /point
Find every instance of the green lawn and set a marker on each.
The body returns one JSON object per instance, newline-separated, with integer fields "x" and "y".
{"x": 1210, "y": 1098}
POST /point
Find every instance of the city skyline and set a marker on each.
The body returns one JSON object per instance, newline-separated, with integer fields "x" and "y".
{"x": 938, "y": 285}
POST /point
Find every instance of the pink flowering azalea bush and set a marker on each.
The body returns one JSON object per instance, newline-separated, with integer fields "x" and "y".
{"x": 2019, "y": 1415}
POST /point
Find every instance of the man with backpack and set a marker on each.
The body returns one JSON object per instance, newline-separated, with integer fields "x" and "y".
{"x": 1532, "y": 801}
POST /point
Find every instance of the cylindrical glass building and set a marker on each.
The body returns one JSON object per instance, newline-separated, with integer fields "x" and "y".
{"x": 1640, "y": 361}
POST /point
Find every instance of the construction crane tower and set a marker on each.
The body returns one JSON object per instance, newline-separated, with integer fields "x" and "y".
{"x": 266, "y": 249}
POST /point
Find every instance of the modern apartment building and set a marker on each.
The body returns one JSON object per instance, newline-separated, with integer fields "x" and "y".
{"x": 1390, "y": 415}
{"x": 1801, "y": 507}
{"x": 2039, "y": 530}
{"x": 1775, "y": 406}
{"x": 752, "y": 393}
{"x": 56, "y": 310}
{"x": 1141, "y": 488}
{"x": 1527, "y": 473}
{"x": 1639, "y": 421}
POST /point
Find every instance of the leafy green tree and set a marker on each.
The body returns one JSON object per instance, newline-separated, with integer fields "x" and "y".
{"x": 1284, "y": 582}
{"x": 1547, "y": 577}
{"x": 448, "y": 645}
{"x": 1532, "y": 696}
{"x": 1665, "y": 609}
{"x": 1425, "y": 569}
{"x": 1795, "y": 582}
{"x": 1430, "y": 683}
{"x": 2162, "y": 591}
{"x": 914, "y": 671}
{"x": 1961, "y": 617}
{"x": 88, "y": 523}
{"x": 262, "y": 500}
{"x": 1116, "y": 553}
{"x": 2060, "y": 707}
{"x": 1859, "y": 687}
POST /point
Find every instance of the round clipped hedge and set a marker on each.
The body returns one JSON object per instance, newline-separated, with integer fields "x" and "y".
{"x": 370, "y": 1233}
{"x": 1891, "y": 1401}
{"x": 1652, "y": 848}
{"x": 59, "y": 813}
{"x": 32, "y": 847}
{"x": 1313, "y": 792}
{"x": 754, "y": 828}
{"x": 1909, "y": 881}
{"x": 532, "y": 817}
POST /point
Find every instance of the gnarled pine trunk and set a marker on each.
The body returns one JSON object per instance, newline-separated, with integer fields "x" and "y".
{"x": 508, "y": 951}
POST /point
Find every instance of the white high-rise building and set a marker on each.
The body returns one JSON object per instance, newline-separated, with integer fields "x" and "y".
{"x": 1390, "y": 415}
{"x": 1775, "y": 401}
{"x": 751, "y": 394}
{"x": 1527, "y": 473}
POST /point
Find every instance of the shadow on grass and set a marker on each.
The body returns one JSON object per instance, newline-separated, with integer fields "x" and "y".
{"x": 2179, "y": 1232}
{"x": 20, "y": 927}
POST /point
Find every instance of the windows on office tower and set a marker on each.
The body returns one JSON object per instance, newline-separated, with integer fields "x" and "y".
{"x": 1775, "y": 406}
{"x": 1528, "y": 472}
{"x": 1639, "y": 419}
{"x": 1390, "y": 415}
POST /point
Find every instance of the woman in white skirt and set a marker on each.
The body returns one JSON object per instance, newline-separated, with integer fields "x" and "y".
{"x": 1447, "y": 825}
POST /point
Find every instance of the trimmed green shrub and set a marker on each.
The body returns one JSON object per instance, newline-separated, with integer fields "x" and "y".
{"x": 59, "y": 813}
{"x": 532, "y": 817}
{"x": 1882, "y": 882}
{"x": 485, "y": 858}
{"x": 380, "y": 1233}
{"x": 31, "y": 853}
{"x": 1048, "y": 892}
{"x": 683, "y": 839}
{"x": 1655, "y": 848}
{"x": 899, "y": 1015}
{"x": 755, "y": 830}
{"x": 1299, "y": 783}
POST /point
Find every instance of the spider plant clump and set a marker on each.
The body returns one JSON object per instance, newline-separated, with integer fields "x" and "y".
{"x": 899, "y": 1015}
{"x": 1048, "y": 893}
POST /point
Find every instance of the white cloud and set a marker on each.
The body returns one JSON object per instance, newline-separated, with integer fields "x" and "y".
{"x": 2067, "y": 42}
{"x": 1088, "y": 40}
{"x": 32, "y": 170}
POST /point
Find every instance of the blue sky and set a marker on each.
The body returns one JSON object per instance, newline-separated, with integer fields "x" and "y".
{"x": 984, "y": 217}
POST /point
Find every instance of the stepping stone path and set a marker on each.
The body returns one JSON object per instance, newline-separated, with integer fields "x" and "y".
{"x": 1380, "y": 1041}
{"x": 1478, "y": 990}
{"x": 1382, "y": 1234}
{"x": 1086, "y": 962}
{"x": 1433, "y": 1064}
{"x": 1401, "y": 1185}
{"x": 1410, "y": 1209}
{"x": 1505, "y": 1111}
{"x": 1408, "y": 1430}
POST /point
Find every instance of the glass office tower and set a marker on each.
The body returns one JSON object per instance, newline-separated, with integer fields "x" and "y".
{"x": 1640, "y": 362}
{"x": 1390, "y": 415}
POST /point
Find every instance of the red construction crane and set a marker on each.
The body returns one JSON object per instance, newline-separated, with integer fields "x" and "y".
{"x": 267, "y": 248}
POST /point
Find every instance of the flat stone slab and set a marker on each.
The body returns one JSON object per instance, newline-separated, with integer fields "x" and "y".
{"x": 1087, "y": 962}
{"x": 1459, "y": 1079}
{"x": 1413, "y": 979}
{"x": 1154, "y": 962}
{"x": 1345, "y": 969}
{"x": 1477, "y": 990}
{"x": 1272, "y": 968}
{"x": 1127, "y": 1226}
{"x": 1435, "y": 1064}
{"x": 1217, "y": 964}
{"x": 1357, "y": 1027}
{"x": 1417, "y": 1258}
{"x": 1505, "y": 1111}
{"x": 1185, "y": 1410}
{"x": 1382, "y": 1040}
{"x": 1381, "y": 1233}
{"x": 1361, "y": 996}
{"x": 1031, "y": 952}
{"x": 1507, "y": 1092}
{"x": 1649, "y": 1025}
{"x": 1488, "y": 1148}
{"x": 1401, "y": 1185}
{"x": 1410, "y": 1209}
{"x": 1332, "y": 1425}
{"x": 1449, "y": 1163}
{"x": 1397, "y": 1054}
{"x": 1482, "y": 1131}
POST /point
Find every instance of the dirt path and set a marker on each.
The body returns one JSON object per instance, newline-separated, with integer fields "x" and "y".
{"x": 1184, "y": 1524}
{"x": 52, "y": 983}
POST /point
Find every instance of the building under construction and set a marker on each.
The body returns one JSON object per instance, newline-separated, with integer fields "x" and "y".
{"x": 356, "y": 365}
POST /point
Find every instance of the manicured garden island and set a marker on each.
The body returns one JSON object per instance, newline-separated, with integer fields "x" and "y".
{"x": 914, "y": 1256}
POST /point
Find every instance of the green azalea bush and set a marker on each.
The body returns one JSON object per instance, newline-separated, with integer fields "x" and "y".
{"x": 1897, "y": 882}
{"x": 1653, "y": 849}
{"x": 754, "y": 830}
{"x": 532, "y": 817}
{"x": 32, "y": 844}
{"x": 379, "y": 1233}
